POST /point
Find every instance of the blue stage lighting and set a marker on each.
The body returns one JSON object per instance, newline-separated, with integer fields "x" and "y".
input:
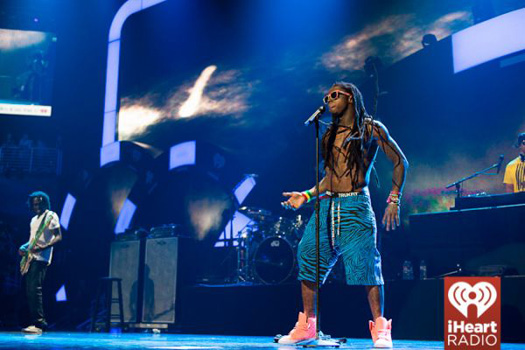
{"x": 125, "y": 216}
{"x": 67, "y": 210}
{"x": 183, "y": 154}
{"x": 489, "y": 40}
{"x": 112, "y": 69}
{"x": 110, "y": 153}
{"x": 61, "y": 294}
{"x": 244, "y": 188}
{"x": 240, "y": 221}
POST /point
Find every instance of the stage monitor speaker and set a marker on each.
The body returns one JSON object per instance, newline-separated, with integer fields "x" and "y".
{"x": 124, "y": 264}
{"x": 160, "y": 280}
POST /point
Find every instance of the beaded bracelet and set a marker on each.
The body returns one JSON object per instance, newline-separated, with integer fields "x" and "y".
{"x": 394, "y": 198}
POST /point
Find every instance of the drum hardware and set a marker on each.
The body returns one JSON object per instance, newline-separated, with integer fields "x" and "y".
{"x": 257, "y": 214}
{"x": 266, "y": 249}
{"x": 273, "y": 260}
{"x": 299, "y": 223}
{"x": 242, "y": 249}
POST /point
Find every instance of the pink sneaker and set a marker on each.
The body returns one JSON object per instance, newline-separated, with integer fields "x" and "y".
{"x": 381, "y": 332}
{"x": 304, "y": 329}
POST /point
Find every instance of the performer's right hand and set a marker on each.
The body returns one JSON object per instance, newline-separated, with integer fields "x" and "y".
{"x": 21, "y": 252}
{"x": 38, "y": 248}
{"x": 295, "y": 201}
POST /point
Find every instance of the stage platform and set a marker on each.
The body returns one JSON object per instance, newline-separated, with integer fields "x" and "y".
{"x": 57, "y": 341}
{"x": 416, "y": 308}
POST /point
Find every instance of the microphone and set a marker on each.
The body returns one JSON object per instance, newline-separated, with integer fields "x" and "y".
{"x": 500, "y": 162}
{"x": 315, "y": 116}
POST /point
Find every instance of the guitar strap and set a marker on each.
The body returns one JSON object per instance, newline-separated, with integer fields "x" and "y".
{"x": 43, "y": 224}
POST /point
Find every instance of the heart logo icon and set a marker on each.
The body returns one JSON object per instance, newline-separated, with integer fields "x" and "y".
{"x": 461, "y": 295}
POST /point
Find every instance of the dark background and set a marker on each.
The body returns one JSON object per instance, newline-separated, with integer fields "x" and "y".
{"x": 276, "y": 59}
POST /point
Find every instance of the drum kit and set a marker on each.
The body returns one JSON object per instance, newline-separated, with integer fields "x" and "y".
{"x": 267, "y": 248}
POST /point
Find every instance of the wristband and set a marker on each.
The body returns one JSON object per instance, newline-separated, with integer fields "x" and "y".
{"x": 307, "y": 195}
{"x": 394, "y": 198}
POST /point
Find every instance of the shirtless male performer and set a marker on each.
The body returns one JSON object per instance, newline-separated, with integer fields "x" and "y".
{"x": 347, "y": 221}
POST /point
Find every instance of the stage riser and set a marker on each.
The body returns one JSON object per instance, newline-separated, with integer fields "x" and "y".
{"x": 416, "y": 308}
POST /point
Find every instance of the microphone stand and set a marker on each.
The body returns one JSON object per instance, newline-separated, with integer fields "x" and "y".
{"x": 458, "y": 183}
{"x": 318, "y": 342}
{"x": 317, "y": 226}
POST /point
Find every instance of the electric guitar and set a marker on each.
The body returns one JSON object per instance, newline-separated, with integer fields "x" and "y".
{"x": 28, "y": 255}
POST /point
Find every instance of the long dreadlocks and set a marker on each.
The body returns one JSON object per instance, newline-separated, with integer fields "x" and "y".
{"x": 357, "y": 141}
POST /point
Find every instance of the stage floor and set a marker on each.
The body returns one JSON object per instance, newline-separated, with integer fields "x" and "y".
{"x": 56, "y": 341}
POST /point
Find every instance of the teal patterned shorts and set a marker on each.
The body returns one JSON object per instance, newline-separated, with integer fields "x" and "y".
{"x": 347, "y": 229}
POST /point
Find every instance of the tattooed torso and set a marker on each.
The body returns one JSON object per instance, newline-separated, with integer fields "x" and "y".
{"x": 339, "y": 177}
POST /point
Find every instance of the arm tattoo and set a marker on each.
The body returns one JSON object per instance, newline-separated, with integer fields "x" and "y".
{"x": 393, "y": 152}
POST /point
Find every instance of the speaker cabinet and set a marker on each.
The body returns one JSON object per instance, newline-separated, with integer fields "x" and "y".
{"x": 124, "y": 264}
{"x": 160, "y": 280}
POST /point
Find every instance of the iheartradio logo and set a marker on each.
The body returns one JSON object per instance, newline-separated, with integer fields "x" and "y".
{"x": 478, "y": 329}
{"x": 461, "y": 295}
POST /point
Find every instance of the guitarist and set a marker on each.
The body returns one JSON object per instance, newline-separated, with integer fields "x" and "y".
{"x": 36, "y": 256}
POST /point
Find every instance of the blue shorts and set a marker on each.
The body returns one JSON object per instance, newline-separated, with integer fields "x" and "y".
{"x": 347, "y": 229}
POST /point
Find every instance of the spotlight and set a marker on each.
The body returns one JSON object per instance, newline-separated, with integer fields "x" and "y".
{"x": 428, "y": 40}
{"x": 36, "y": 20}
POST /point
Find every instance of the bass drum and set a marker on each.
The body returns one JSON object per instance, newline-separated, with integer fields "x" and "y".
{"x": 273, "y": 260}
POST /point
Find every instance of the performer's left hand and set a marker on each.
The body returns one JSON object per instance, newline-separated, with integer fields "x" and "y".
{"x": 391, "y": 217}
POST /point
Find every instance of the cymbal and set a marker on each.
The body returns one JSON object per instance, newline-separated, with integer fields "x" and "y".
{"x": 255, "y": 213}
{"x": 282, "y": 221}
